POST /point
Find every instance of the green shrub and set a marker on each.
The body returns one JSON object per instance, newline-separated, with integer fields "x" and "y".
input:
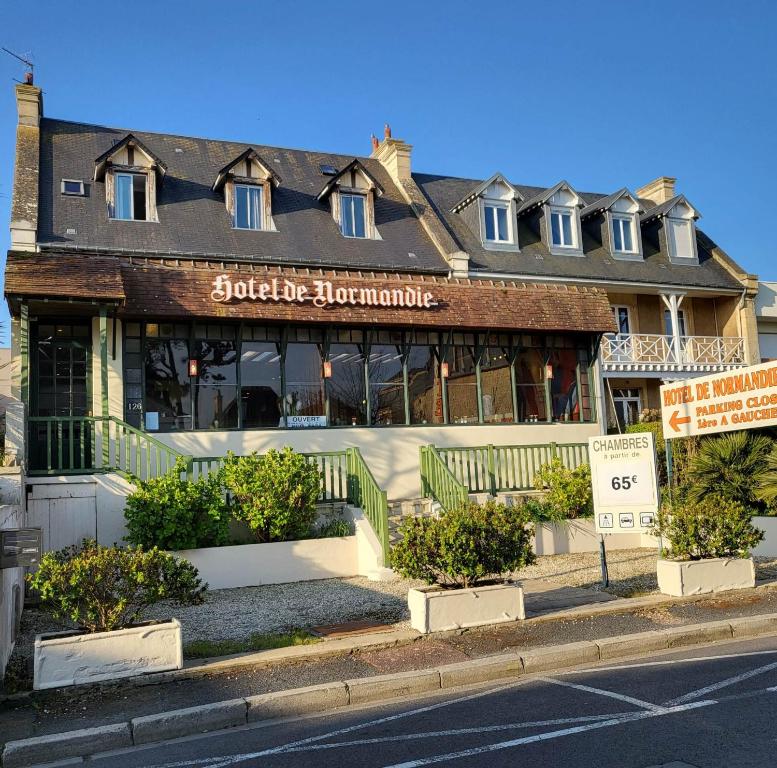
{"x": 683, "y": 451}
{"x": 767, "y": 485}
{"x": 711, "y": 527}
{"x": 174, "y": 513}
{"x": 465, "y": 546}
{"x": 104, "y": 588}
{"x": 275, "y": 494}
{"x": 731, "y": 466}
{"x": 568, "y": 492}
{"x": 334, "y": 528}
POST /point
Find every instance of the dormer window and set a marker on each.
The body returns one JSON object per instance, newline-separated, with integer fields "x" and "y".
{"x": 131, "y": 190}
{"x": 351, "y": 195}
{"x": 352, "y": 220}
{"x": 490, "y": 210}
{"x": 556, "y": 213}
{"x": 248, "y": 207}
{"x": 130, "y": 171}
{"x": 496, "y": 226}
{"x": 622, "y": 235}
{"x": 677, "y": 233}
{"x": 247, "y": 183}
{"x": 615, "y": 219}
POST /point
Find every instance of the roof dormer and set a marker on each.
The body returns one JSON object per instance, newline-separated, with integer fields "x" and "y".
{"x": 560, "y": 218}
{"x": 248, "y": 182}
{"x": 618, "y": 217}
{"x": 677, "y": 229}
{"x": 351, "y": 193}
{"x": 131, "y": 172}
{"x": 490, "y": 209}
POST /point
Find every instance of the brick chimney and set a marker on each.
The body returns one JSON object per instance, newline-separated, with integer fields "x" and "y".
{"x": 659, "y": 191}
{"x": 394, "y": 155}
{"x": 24, "y": 202}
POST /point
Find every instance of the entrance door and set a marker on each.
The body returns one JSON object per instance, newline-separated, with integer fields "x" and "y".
{"x": 60, "y": 391}
{"x": 627, "y": 404}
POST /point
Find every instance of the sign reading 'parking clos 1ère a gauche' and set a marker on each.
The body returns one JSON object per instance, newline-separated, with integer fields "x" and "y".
{"x": 321, "y": 293}
{"x": 742, "y": 399}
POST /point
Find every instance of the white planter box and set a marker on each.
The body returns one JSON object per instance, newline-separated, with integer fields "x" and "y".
{"x": 68, "y": 658}
{"x": 697, "y": 577}
{"x": 435, "y": 610}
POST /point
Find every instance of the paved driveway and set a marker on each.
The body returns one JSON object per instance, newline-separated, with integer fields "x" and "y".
{"x": 707, "y": 708}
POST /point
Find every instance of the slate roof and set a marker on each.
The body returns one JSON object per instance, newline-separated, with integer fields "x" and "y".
{"x": 193, "y": 218}
{"x": 535, "y": 259}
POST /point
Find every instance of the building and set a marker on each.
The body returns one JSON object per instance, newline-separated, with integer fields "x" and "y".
{"x": 766, "y": 312}
{"x": 224, "y": 296}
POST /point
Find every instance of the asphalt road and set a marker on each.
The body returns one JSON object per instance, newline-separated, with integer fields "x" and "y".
{"x": 706, "y": 708}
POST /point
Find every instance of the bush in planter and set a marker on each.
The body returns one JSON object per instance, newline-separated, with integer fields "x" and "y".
{"x": 731, "y": 466}
{"x": 712, "y": 527}
{"x": 172, "y": 512}
{"x": 105, "y": 588}
{"x": 467, "y": 545}
{"x": 568, "y": 492}
{"x": 275, "y": 493}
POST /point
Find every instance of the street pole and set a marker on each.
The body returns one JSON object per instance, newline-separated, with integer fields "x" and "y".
{"x": 603, "y": 562}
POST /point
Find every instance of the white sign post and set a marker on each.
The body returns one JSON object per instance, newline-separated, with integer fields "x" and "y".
{"x": 722, "y": 402}
{"x": 625, "y": 486}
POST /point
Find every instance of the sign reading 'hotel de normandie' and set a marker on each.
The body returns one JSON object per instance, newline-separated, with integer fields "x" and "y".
{"x": 322, "y": 294}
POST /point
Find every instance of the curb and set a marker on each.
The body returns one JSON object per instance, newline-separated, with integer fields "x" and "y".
{"x": 148, "y": 729}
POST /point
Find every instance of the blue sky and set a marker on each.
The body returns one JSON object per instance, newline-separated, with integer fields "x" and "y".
{"x": 603, "y": 94}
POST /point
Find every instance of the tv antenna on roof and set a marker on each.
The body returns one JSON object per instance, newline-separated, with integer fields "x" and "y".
{"x": 28, "y": 76}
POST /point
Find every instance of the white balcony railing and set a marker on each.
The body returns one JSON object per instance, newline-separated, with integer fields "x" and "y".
{"x": 652, "y": 352}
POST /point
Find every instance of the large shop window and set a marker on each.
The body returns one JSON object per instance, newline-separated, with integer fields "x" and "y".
{"x": 530, "y": 385}
{"x": 215, "y": 387}
{"x": 462, "y": 386}
{"x": 387, "y": 385}
{"x": 260, "y": 384}
{"x": 564, "y": 393}
{"x": 424, "y": 386}
{"x": 304, "y": 383}
{"x": 168, "y": 401}
{"x": 347, "y": 397}
{"x": 496, "y": 386}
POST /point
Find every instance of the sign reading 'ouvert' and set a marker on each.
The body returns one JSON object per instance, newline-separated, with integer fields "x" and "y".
{"x": 321, "y": 293}
{"x": 722, "y": 402}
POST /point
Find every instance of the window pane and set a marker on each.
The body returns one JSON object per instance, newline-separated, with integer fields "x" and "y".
{"x": 358, "y": 215}
{"x": 215, "y": 407}
{"x": 489, "y": 217}
{"x": 462, "y": 386}
{"x": 616, "y": 234}
{"x": 123, "y": 183}
{"x": 623, "y": 320}
{"x": 501, "y": 220}
{"x": 555, "y": 226}
{"x": 346, "y": 205}
{"x": 241, "y": 207}
{"x": 566, "y": 220}
{"x": 496, "y": 386}
{"x": 260, "y": 379}
{"x": 387, "y": 387}
{"x": 139, "y": 197}
{"x": 585, "y": 384}
{"x": 679, "y": 232}
{"x": 347, "y": 402}
{"x": 255, "y": 211}
{"x": 167, "y": 383}
{"x": 530, "y": 385}
{"x": 304, "y": 384}
{"x": 627, "y": 242}
{"x": 217, "y": 362}
{"x": 424, "y": 386}
{"x": 563, "y": 385}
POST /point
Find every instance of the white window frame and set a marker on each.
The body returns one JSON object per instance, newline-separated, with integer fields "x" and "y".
{"x": 80, "y": 183}
{"x": 365, "y": 199}
{"x": 616, "y": 308}
{"x": 501, "y": 204}
{"x": 670, "y": 243}
{"x": 619, "y": 220}
{"x": 619, "y": 396}
{"x": 132, "y": 174}
{"x": 562, "y": 210}
{"x": 261, "y": 208}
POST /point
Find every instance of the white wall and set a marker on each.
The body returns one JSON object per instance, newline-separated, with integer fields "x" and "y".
{"x": 11, "y": 579}
{"x": 390, "y": 452}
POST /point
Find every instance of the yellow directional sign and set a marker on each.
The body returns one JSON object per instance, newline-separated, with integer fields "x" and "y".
{"x": 722, "y": 402}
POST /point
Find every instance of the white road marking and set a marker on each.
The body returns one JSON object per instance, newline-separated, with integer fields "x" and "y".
{"x": 547, "y": 736}
{"x": 609, "y": 694}
{"x": 690, "y": 696}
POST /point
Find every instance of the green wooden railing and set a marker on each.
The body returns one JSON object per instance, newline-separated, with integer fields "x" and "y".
{"x": 438, "y": 481}
{"x": 65, "y": 445}
{"x": 365, "y": 493}
{"x": 498, "y": 468}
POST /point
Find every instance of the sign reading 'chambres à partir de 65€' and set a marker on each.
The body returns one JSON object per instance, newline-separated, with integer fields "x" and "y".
{"x": 624, "y": 482}
{"x": 722, "y": 402}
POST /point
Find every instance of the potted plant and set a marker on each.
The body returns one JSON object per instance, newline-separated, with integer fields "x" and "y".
{"x": 709, "y": 546}
{"x": 464, "y": 555}
{"x": 104, "y": 591}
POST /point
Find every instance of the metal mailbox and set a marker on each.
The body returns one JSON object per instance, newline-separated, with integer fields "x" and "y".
{"x": 20, "y": 547}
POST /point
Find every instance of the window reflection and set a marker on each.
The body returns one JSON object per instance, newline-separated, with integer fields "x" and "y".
{"x": 496, "y": 386}
{"x": 215, "y": 388}
{"x": 387, "y": 387}
{"x": 304, "y": 383}
{"x": 424, "y": 386}
{"x": 530, "y": 385}
{"x": 563, "y": 385}
{"x": 260, "y": 384}
{"x": 462, "y": 386}
{"x": 347, "y": 402}
{"x": 167, "y": 384}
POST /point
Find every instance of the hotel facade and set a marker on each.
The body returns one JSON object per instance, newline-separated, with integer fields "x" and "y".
{"x": 227, "y": 296}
